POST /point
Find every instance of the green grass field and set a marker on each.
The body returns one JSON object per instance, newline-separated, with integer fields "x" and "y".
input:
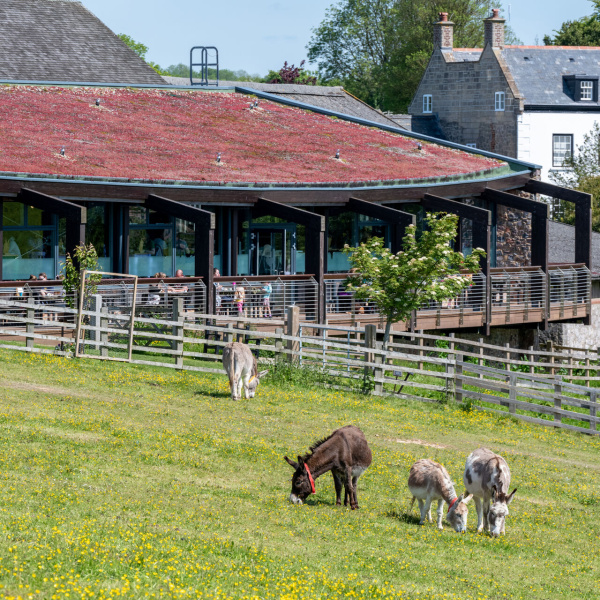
{"x": 128, "y": 481}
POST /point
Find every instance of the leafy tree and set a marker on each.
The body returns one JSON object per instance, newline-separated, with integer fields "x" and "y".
{"x": 582, "y": 174}
{"x": 182, "y": 70}
{"x": 582, "y": 32}
{"x": 84, "y": 258}
{"x": 379, "y": 49}
{"x": 141, "y": 50}
{"x": 427, "y": 269}
{"x": 291, "y": 74}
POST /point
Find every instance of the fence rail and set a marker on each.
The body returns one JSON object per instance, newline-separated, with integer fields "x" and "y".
{"x": 533, "y": 386}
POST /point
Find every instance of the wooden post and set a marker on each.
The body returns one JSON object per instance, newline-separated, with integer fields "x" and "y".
{"x": 512, "y": 393}
{"x": 421, "y": 352}
{"x": 557, "y": 399}
{"x": 177, "y": 345}
{"x": 587, "y": 370}
{"x": 293, "y": 329}
{"x": 104, "y": 334}
{"x": 370, "y": 339}
{"x": 278, "y": 343}
{"x": 593, "y": 409}
{"x": 550, "y": 346}
{"x": 378, "y": 374}
{"x": 507, "y": 366}
{"x": 228, "y": 335}
{"x": 30, "y": 327}
{"x": 458, "y": 383}
{"x": 531, "y": 367}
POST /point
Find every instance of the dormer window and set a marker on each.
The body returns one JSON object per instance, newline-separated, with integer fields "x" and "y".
{"x": 587, "y": 90}
{"x": 581, "y": 88}
{"x": 427, "y": 103}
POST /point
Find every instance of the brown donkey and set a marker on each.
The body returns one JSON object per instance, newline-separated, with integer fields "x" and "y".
{"x": 345, "y": 453}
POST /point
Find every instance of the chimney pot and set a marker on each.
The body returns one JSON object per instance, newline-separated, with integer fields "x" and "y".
{"x": 494, "y": 30}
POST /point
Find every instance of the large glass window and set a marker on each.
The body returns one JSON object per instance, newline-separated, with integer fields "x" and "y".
{"x": 30, "y": 238}
{"x": 151, "y": 236}
{"x": 98, "y": 232}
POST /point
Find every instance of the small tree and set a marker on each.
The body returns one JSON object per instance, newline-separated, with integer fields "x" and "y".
{"x": 86, "y": 258}
{"x": 291, "y": 74}
{"x": 427, "y": 269}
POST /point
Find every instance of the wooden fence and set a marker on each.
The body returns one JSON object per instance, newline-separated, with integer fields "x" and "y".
{"x": 536, "y": 385}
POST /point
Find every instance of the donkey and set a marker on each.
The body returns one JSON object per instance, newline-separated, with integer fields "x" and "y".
{"x": 430, "y": 481}
{"x": 487, "y": 477}
{"x": 345, "y": 453}
{"x": 240, "y": 365}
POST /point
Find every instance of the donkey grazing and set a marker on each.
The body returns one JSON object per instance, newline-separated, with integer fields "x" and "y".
{"x": 345, "y": 453}
{"x": 487, "y": 477}
{"x": 430, "y": 481}
{"x": 240, "y": 365}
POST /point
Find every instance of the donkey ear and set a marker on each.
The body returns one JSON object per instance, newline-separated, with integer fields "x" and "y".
{"x": 300, "y": 461}
{"x": 494, "y": 493}
{"x": 262, "y": 374}
{"x": 290, "y": 462}
{"x": 509, "y": 499}
{"x": 466, "y": 499}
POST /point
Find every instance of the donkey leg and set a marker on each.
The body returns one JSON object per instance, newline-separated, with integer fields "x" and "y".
{"x": 337, "y": 482}
{"x": 479, "y": 510}
{"x": 422, "y": 510}
{"x": 355, "y": 490}
{"x": 440, "y": 513}
{"x": 350, "y": 489}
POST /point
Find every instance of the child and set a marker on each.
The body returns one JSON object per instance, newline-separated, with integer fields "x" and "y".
{"x": 239, "y": 297}
{"x": 267, "y": 289}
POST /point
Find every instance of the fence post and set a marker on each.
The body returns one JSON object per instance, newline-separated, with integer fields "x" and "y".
{"x": 458, "y": 382}
{"x": 421, "y": 345}
{"x": 30, "y": 327}
{"x": 95, "y": 307}
{"x": 228, "y": 335}
{"x": 587, "y": 369}
{"x": 293, "y": 330}
{"x": 507, "y": 366}
{"x": 480, "y": 360}
{"x": 557, "y": 399}
{"x": 370, "y": 339}
{"x": 512, "y": 393}
{"x": 278, "y": 343}
{"x": 593, "y": 409}
{"x": 531, "y": 358}
{"x": 550, "y": 347}
{"x": 104, "y": 334}
{"x": 378, "y": 373}
{"x": 177, "y": 345}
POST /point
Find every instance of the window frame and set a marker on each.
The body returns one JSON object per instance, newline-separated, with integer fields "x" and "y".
{"x": 585, "y": 90}
{"x": 427, "y": 103}
{"x": 555, "y": 163}
{"x": 499, "y": 102}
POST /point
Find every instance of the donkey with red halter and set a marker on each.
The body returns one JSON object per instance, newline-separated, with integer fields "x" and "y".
{"x": 345, "y": 453}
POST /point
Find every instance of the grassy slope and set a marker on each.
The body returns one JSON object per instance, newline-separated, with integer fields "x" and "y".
{"x": 127, "y": 481}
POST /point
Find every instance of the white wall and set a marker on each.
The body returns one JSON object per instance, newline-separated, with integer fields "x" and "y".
{"x": 535, "y": 130}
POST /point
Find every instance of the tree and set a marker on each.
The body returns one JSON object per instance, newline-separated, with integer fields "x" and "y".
{"x": 291, "y": 74}
{"x": 427, "y": 269}
{"x": 379, "y": 49}
{"x": 181, "y": 70}
{"x": 84, "y": 258}
{"x": 582, "y": 32}
{"x": 583, "y": 174}
{"x": 141, "y": 50}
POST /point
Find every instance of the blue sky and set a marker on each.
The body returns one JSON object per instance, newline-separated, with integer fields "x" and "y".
{"x": 258, "y": 35}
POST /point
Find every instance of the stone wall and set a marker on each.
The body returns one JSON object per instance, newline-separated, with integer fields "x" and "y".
{"x": 575, "y": 335}
{"x": 513, "y": 237}
{"x": 463, "y": 95}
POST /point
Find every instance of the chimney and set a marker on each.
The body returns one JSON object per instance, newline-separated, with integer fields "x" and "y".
{"x": 443, "y": 33}
{"x": 494, "y": 30}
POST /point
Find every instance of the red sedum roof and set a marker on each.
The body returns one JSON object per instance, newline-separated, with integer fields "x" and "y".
{"x": 158, "y": 135}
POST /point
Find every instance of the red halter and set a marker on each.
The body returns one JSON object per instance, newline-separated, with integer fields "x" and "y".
{"x": 451, "y": 505}
{"x": 310, "y": 478}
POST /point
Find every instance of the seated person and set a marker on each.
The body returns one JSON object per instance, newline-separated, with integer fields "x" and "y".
{"x": 177, "y": 288}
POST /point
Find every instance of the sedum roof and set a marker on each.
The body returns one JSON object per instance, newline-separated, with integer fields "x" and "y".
{"x": 175, "y": 135}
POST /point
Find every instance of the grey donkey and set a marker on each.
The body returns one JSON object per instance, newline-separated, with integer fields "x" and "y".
{"x": 240, "y": 365}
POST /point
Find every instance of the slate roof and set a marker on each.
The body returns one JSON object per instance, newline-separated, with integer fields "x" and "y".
{"x": 464, "y": 54}
{"x": 61, "y": 41}
{"x": 332, "y": 98}
{"x": 538, "y": 71}
{"x": 169, "y": 135}
{"x": 423, "y": 124}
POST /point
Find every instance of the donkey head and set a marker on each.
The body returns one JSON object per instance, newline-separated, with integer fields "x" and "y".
{"x": 254, "y": 383}
{"x": 498, "y": 510}
{"x": 458, "y": 512}
{"x": 301, "y": 486}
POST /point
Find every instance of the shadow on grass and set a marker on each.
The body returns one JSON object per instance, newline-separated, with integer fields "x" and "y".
{"x": 404, "y": 517}
{"x": 212, "y": 394}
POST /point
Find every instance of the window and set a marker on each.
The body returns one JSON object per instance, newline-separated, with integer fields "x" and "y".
{"x": 499, "y": 101}
{"x": 587, "y": 90}
{"x": 562, "y": 146}
{"x": 427, "y": 103}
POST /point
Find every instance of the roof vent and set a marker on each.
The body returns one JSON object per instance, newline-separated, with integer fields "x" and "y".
{"x": 526, "y": 58}
{"x": 571, "y": 59}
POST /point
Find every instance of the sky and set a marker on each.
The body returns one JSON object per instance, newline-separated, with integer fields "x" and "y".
{"x": 259, "y": 35}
